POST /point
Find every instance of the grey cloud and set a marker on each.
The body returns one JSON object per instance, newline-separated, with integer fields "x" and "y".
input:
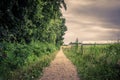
{"x": 83, "y": 16}
{"x": 109, "y": 15}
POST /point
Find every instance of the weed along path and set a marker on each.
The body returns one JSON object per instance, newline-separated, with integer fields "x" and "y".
{"x": 60, "y": 68}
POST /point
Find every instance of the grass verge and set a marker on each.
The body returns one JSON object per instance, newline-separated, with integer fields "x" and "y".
{"x": 96, "y": 62}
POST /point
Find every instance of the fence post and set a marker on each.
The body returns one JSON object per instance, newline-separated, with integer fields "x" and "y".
{"x": 81, "y": 48}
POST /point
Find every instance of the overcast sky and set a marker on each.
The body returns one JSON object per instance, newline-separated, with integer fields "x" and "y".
{"x": 92, "y": 20}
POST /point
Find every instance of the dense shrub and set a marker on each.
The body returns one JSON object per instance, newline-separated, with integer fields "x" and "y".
{"x": 30, "y": 30}
{"x": 18, "y": 58}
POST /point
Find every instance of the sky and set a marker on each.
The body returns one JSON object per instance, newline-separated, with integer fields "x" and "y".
{"x": 92, "y": 20}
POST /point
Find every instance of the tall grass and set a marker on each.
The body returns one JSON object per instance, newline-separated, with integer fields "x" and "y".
{"x": 96, "y": 62}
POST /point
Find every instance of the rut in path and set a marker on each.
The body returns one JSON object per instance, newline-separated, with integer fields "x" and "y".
{"x": 60, "y": 68}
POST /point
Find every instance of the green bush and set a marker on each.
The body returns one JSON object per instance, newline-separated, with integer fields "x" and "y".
{"x": 18, "y": 59}
{"x": 33, "y": 71}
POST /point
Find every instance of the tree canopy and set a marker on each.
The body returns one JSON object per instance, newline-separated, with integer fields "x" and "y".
{"x": 27, "y": 20}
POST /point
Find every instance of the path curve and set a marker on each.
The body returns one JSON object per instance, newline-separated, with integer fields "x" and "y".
{"x": 60, "y": 68}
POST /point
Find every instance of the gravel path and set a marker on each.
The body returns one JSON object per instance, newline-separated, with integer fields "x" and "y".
{"x": 60, "y": 69}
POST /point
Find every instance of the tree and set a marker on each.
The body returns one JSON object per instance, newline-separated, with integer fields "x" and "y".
{"x": 77, "y": 44}
{"x": 27, "y": 20}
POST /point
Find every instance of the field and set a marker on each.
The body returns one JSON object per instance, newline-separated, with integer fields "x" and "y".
{"x": 96, "y": 62}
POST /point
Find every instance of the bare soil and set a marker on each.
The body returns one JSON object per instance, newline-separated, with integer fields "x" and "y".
{"x": 60, "y": 68}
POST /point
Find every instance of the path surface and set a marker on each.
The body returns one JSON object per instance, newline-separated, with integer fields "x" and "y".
{"x": 60, "y": 69}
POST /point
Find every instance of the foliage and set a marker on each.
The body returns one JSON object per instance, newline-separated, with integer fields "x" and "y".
{"x": 27, "y": 20}
{"x": 30, "y": 30}
{"x": 17, "y": 60}
{"x": 98, "y": 62}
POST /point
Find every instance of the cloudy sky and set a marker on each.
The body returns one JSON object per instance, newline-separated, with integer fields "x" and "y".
{"x": 92, "y": 20}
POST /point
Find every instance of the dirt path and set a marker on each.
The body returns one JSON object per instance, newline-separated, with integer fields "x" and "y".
{"x": 60, "y": 69}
